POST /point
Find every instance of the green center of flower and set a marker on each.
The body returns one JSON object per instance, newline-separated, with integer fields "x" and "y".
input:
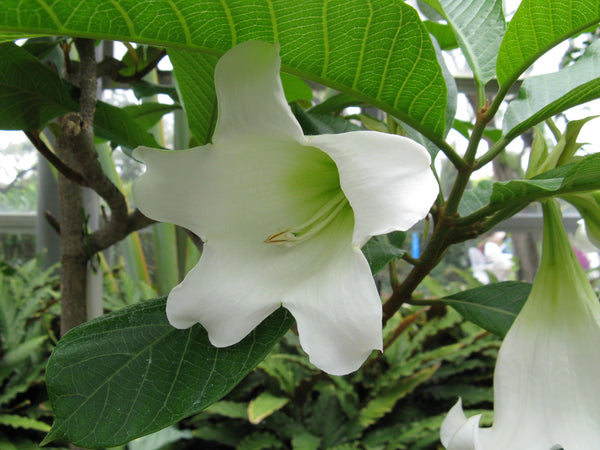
{"x": 301, "y": 233}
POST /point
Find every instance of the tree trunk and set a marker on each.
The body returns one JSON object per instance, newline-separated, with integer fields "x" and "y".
{"x": 76, "y": 137}
{"x": 73, "y": 258}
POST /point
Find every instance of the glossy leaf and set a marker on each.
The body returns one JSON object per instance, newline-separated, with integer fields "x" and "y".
{"x": 380, "y": 250}
{"x": 114, "y": 124}
{"x": 296, "y": 89}
{"x": 377, "y": 51}
{"x": 142, "y": 89}
{"x": 476, "y": 198}
{"x": 536, "y": 27}
{"x": 313, "y": 124}
{"x": 493, "y": 307}
{"x": 451, "y": 107}
{"x": 31, "y": 94}
{"x": 583, "y": 175}
{"x": 479, "y": 28}
{"x": 149, "y": 114}
{"x": 443, "y": 34}
{"x": 194, "y": 73}
{"x": 134, "y": 360}
{"x": 544, "y": 96}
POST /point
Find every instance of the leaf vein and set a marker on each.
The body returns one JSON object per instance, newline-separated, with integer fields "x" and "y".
{"x": 50, "y": 13}
{"x": 182, "y": 20}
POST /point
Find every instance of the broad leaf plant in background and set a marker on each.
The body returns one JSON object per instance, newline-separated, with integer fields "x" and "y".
{"x": 295, "y": 208}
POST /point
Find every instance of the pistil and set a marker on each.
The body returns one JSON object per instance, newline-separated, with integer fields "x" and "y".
{"x": 301, "y": 233}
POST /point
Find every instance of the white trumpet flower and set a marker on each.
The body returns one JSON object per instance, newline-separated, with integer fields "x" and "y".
{"x": 283, "y": 216}
{"x": 546, "y": 392}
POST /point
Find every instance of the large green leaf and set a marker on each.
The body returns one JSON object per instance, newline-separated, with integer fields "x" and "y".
{"x": 443, "y": 34}
{"x": 476, "y": 198}
{"x": 543, "y": 96}
{"x": 581, "y": 176}
{"x": 194, "y": 73}
{"x": 31, "y": 94}
{"x": 537, "y": 26}
{"x": 493, "y": 307}
{"x": 114, "y": 124}
{"x": 130, "y": 373}
{"x": 451, "y": 107}
{"x": 377, "y": 51}
{"x": 149, "y": 114}
{"x": 314, "y": 123}
{"x": 479, "y": 28}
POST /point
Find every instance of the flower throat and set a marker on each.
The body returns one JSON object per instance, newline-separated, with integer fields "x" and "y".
{"x": 301, "y": 233}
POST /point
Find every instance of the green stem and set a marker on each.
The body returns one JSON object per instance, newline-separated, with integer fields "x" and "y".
{"x": 458, "y": 188}
{"x": 419, "y": 302}
{"x": 500, "y": 216}
{"x": 478, "y": 129}
{"x": 409, "y": 259}
{"x": 464, "y": 174}
{"x": 492, "y": 152}
{"x": 457, "y": 161}
{"x": 440, "y": 200}
{"x": 393, "y": 271}
{"x": 436, "y": 247}
{"x": 480, "y": 95}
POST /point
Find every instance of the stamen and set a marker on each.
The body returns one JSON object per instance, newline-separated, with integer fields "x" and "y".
{"x": 323, "y": 217}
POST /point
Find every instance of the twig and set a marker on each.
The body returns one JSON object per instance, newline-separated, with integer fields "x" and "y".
{"x": 409, "y": 259}
{"x": 140, "y": 74}
{"x": 4, "y": 189}
{"x": 52, "y": 221}
{"x": 40, "y": 145}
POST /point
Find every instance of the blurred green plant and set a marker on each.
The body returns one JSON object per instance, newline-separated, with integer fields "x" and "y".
{"x": 121, "y": 289}
{"x": 28, "y": 308}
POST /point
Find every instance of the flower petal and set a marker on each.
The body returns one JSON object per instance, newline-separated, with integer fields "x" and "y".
{"x": 228, "y": 307}
{"x": 386, "y": 178}
{"x": 331, "y": 294}
{"x": 250, "y": 95}
{"x": 454, "y": 420}
{"x": 197, "y": 189}
{"x": 467, "y": 437}
{"x": 163, "y": 191}
{"x": 545, "y": 383}
{"x": 338, "y": 313}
